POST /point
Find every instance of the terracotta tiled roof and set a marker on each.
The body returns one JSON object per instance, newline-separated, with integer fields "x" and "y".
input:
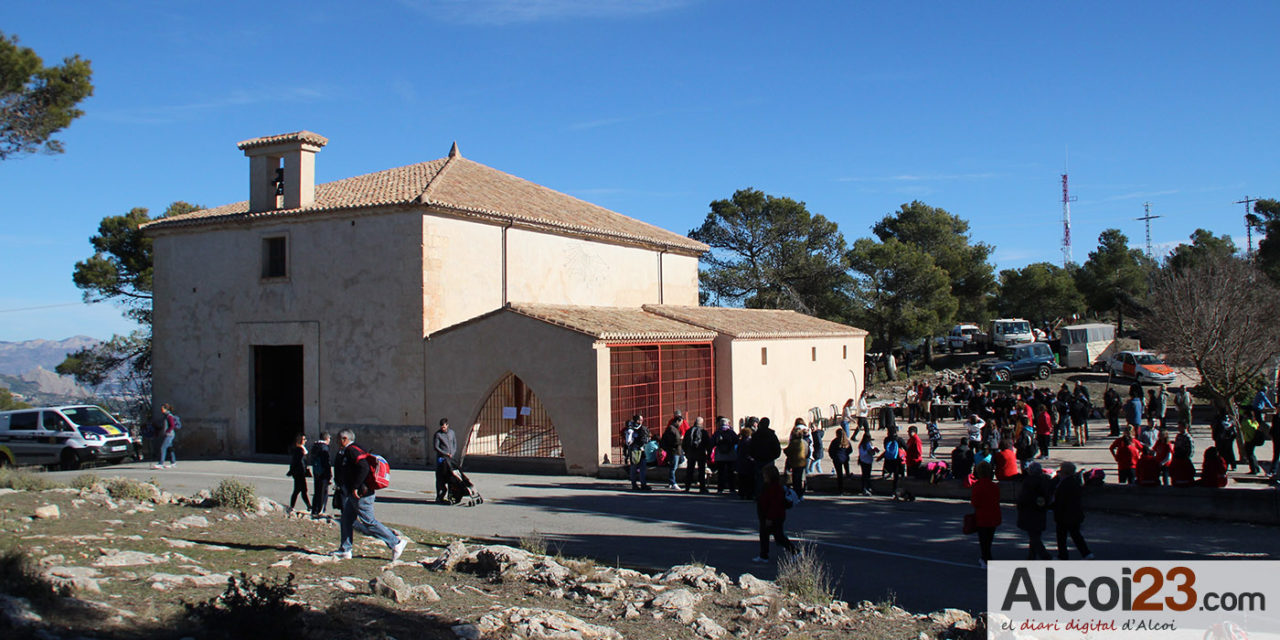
{"x": 755, "y": 323}
{"x": 463, "y": 187}
{"x": 628, "y": 324}
{"x": 308, "y": 137}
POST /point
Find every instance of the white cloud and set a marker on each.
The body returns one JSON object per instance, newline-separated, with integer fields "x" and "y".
{"x": 503, "y": 12}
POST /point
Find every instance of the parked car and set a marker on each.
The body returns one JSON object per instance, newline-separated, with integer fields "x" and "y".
{"x": 1020, "y": 361}
{"x": 1143, "y": 366}
{"x": 66, "y": 436}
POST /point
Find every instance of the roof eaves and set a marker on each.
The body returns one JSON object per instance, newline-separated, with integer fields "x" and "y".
{"x": 692, "y": 246}
{"x": 164, "y": 223}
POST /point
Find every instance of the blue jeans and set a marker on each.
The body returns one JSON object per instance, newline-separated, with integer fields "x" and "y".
{"x": 166, "y": 449}
{"x": 639, "y": 472}
{"x": 358, "y": 515}
{"x": 676, "y": 461}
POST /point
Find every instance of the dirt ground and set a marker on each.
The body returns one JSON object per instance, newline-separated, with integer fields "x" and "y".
{"x": 143, "y": 559}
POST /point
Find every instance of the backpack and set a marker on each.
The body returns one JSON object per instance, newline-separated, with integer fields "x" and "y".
{"x": 379, "y": 470}
{"x": 177, "y": 422}
{"x": 817, "y": 444}
{"x": 789, "y": 497}
{"x": 892, "y": 450}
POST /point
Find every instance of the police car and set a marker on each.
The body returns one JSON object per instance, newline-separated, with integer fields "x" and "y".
{"x": 67, "y": 436}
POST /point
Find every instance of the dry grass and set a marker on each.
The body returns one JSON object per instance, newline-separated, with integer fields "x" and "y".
{"x": 805, "y": 574}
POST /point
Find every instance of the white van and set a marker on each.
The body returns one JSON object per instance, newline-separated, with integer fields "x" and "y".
{"x": 65, "y": 436}
{"x": 1007, "y": 332}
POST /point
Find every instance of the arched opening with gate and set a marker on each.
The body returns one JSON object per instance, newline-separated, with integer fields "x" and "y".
{"x": 513, "y": 423}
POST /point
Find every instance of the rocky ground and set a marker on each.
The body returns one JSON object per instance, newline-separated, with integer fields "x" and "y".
{"x": 114, "y": 558}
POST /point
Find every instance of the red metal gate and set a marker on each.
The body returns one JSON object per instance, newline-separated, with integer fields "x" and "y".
{"x": 654, "y": 380}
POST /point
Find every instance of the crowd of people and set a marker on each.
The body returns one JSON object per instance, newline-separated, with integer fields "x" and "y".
{"x": 1007, "y": 433}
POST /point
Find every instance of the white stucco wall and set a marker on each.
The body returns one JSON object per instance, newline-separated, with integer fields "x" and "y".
{"x": 355, "y": 281}
{"x": 679, "y": 279}
{"x": 550, "y": 269}
{"x": 561, "y": 367}
{"x": 792, "y": 382}
{"x": 462, "y": 270}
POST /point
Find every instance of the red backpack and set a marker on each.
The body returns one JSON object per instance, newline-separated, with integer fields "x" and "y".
{"x": 379, "y": 470}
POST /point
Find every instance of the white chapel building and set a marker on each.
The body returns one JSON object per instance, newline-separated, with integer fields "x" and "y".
{"x": 536, "y": 322}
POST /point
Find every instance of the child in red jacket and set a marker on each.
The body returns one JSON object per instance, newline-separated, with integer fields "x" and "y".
{"x": 771, "y": 509}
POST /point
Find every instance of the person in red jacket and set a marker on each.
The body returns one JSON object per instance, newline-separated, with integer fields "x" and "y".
{"x": 1006, "y": 462}
{"x": 1126, "y": 453}
{"x": 985, "y": 498}
{"x": 1213, "y": 472}
{"x": 1044, "y": 429}
{"x": 915, "y": 451}
{"x": 1182, "y": 472}
{"x": 771, "y": 509}
{"x": 1148, "y": 468}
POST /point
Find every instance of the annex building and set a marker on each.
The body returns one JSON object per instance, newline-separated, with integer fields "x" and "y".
{"x": 536, "y": 322}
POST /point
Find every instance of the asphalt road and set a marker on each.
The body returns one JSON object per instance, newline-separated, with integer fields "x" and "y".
{"x": 876, "y": 548}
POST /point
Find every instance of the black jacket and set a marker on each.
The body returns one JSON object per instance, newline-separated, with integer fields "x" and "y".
{"x": 1068, "y": 500}
{"x": 765, "y": 447}
{"x": 297, "y": 464}
{"x": 349, "y": 471}
{"x": 1033, "y": 502}
{"x": 697, "y": 443}
{"x": 321, "y": 464}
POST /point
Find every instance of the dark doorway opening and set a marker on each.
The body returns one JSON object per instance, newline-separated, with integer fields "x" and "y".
{"x": 277, "y": 397}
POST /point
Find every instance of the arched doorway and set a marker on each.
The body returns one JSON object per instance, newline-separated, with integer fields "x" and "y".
{"x": 513, "y": 423}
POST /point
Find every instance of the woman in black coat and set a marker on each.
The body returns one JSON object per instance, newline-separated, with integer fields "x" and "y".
{"x": 1033, "y": 506}
{"x": 298, "y": 470}
{"x": 1068, "y": 510}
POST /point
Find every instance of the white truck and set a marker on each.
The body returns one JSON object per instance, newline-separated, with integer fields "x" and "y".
{"x": 1004, "y": 332}
{"x": 1007, "y": 332}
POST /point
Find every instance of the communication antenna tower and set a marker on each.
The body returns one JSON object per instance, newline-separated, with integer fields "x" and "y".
{"x": 1146, "y": 208}
{"x": 1067, "y": 199}
{"x": 1248, "y": 221}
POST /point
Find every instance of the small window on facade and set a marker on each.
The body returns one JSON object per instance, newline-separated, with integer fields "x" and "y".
{"x": 274, "y": 257}
{"x": 764, "y": 355}
{"x": 846, "y": 352}
{"x": 813, "y": 353}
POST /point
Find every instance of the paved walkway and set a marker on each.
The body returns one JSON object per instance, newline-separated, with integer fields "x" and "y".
{"x": 913, "y": 552}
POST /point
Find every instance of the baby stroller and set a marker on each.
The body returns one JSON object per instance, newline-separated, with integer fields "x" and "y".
{"x": 462, "y": 491}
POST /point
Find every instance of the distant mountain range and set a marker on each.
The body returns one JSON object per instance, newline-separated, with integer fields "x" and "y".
{"x": 17, "y": 358}
{"x": 26, "y": 368}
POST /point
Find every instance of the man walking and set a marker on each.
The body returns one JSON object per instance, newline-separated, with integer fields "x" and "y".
{"x": 445, "y": 446}
{"x": 321, "y": 474}
{"x": 357, "y": 501}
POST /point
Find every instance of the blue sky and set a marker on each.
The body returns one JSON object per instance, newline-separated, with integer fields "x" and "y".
{"x": 656, "y": 108}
